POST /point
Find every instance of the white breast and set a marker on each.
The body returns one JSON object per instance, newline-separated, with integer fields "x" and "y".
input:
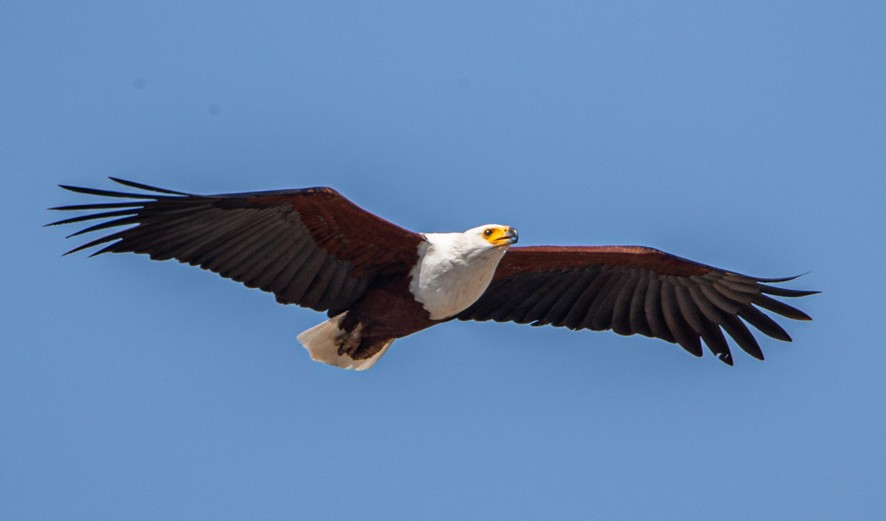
{"x": 452, "y": 273}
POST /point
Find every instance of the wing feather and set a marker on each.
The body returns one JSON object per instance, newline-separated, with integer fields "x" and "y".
{"x": 621, "y": 308}
{"x": 276, "y": 263}
{"x": 599, "y": 314}
{"x": 549, "y": 296}
{"x": 636, "y": 290}
{"x": 272, "y": 245}
{"x": 556, "y": 315}
{"x": 654, "y": 313}
{"x": 576, "y": 316}
{"x": 639, "y": 323}
{"x": 310, "y": 247}
{"x": 538, "y": 297}
{"x": 676, "y": 321}
{"x": 689, "y": 310}
{"x": 780, "y": 308}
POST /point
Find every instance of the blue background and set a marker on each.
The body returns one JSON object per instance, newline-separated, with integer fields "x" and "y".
{"x": 750, "y": 135}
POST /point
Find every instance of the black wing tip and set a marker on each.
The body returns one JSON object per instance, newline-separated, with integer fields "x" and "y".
{"x": 785, "y": 292}
{"x": 75, "y": 189}
{"x": 758, "y": 353}
{"x": 77, "y": 249}
{"x": 726, "y": 358}
{"x": 149, "y": 188}
{"x": 800, "y": 315}
{"x": 764, "y": 282}
{"x": 776, "y": 279}
{"x": 765, "y": 287}
{"x": 127, "y": 183}
{"x": 105, "y": 193}
{"x": 784, "y": 336}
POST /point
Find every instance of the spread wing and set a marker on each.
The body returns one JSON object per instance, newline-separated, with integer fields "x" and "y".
{"x": 310, "y": 247}
{"x": 632, "y": 289}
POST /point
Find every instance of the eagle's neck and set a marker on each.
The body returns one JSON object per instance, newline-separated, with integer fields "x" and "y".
{"x": 452, "y": 273}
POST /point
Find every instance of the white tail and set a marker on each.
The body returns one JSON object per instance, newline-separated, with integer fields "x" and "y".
{"x": 322, "y": 342}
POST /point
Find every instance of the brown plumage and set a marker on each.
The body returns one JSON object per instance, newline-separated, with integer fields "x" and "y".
{"x": 314, "y": 248}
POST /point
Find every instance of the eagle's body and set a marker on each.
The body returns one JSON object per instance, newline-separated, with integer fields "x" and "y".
{"x": 379, "y": 282}
{"x": 451, "y": 273}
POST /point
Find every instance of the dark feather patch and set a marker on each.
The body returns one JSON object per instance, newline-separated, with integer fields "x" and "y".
{"x": 310, "y": 247}
{"x": 635, "y": 290}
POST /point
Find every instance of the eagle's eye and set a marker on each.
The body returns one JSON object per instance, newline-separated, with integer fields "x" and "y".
{"x": 487, "y": 232}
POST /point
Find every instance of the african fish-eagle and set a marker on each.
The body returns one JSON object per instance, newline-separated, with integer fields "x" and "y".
{"x": 378, "y": 282}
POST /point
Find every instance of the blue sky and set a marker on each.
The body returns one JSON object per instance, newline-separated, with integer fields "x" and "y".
{"x": 748, "y": 135}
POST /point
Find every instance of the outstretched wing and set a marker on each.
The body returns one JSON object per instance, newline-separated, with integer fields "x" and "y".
{"x": 633, "y": 289}
{"x": 310, "y": 247}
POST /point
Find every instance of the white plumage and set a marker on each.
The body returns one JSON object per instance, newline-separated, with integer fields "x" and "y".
{"x": 454, "y": 270}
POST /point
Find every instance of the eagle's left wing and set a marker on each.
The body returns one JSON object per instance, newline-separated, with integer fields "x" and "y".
{"x": 634, "y": 289}
{"x": 311, "y": 247}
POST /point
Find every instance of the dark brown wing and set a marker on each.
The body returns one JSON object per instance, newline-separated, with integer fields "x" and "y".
{"x": 310, "y": 247}
{"x": 633, "y": 289}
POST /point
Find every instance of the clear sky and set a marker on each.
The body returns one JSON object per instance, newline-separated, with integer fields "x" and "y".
{"x": 749, "y": 135}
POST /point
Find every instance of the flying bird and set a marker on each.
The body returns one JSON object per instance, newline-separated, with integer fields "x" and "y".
{"x": 378, "y": 282}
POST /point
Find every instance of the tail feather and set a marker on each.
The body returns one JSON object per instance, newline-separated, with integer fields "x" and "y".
{"x": 323, "y": 341}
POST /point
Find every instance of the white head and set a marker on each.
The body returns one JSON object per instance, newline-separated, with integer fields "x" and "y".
{"x": 492, "y": 236}
{"x": 487, "y": 241}
{"x": 454, "y": 269}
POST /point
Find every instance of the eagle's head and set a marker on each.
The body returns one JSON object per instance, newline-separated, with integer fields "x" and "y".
{"x": 483, "y": 243}
{"x": 497, "y": 235}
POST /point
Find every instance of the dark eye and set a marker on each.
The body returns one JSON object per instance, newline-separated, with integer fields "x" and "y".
{"x": 487, "y": 232}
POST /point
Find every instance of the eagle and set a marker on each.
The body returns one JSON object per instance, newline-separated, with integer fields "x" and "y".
{"x": 378, "y": 282}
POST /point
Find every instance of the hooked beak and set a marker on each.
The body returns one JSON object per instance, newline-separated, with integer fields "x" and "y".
{"x": 510, "y": 237}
